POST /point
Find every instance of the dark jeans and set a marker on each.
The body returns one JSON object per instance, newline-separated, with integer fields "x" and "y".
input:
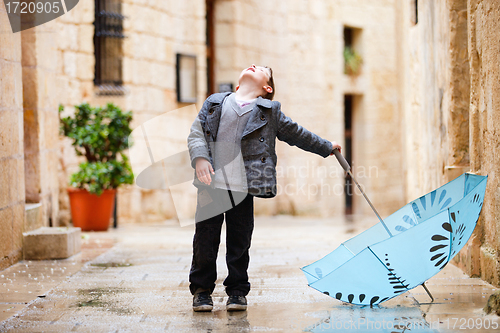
{"x": 213, "y": 205}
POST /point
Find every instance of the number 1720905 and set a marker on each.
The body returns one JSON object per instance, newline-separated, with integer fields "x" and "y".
{"x": 32, "y": 7}
{"x": 469, "y": 323}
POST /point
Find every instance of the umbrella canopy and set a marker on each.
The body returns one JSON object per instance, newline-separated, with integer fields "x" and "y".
{"x": 416, "y": 242}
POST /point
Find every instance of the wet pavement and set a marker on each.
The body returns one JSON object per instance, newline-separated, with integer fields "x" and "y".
{"x": 135, "y": 279}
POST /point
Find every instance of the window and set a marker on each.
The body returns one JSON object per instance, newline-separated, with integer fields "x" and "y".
{"x": 352, "y": 51}
{"x": 414, "y": 12}
{"x": 348, "y": 184}
{"x": 108, "y": 40}
{"x": 186, "y": 78}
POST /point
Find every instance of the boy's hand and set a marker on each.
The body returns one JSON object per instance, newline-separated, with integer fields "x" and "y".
{"x": 335, "y": 146}
{"x": 203, "y": 170}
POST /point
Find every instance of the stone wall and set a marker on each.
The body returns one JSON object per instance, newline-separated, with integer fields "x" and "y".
{"x": 41, "y": 122}
{"x": 12, "y": 192}
{"x": 451, "y": 117}
{"x": 155, "y": 32}
{"x": 302, "y": 41}
{"x": 431, "y": 95}
{"x": 483, "y": 256}
{"x": 29, "y": 127}
{"x": 425, "y": 103}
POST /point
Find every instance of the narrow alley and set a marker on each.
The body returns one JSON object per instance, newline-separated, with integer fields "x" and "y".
{"x": 134, "y": 279}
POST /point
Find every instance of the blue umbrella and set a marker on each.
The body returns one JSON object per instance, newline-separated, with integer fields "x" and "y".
{"x": 403, "y": 250}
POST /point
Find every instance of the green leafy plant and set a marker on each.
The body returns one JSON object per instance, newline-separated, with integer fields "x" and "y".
{"x": 101, "y": 135}
{"x": 352, "y": 61}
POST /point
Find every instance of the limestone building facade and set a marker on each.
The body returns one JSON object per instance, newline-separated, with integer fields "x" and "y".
{"x": 449, "y": 52}
{"x": 303, "y": 41}
{"x": 11, "y": 147}
{"x": 417, "y": 110}
{"x": 29, "y": 143}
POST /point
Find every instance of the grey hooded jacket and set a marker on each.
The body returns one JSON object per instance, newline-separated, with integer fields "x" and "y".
{"x": 266, "y": 123}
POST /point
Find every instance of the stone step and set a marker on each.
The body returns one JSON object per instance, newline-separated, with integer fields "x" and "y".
{"x": 51, "y": 243}
{"x": 32, "y": 215}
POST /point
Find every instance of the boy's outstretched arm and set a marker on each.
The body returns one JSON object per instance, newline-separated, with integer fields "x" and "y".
{"x": 296, "y": 135}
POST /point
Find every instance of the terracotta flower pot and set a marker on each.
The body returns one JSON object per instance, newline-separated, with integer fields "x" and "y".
{"x": 90, "y": 211}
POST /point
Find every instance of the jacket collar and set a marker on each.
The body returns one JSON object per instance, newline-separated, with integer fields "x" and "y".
{"x": 219, "y": 97}
{"x": 264, "y": 102}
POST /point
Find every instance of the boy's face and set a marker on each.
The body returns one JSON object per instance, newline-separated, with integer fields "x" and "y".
{"x": 257, "y": 75}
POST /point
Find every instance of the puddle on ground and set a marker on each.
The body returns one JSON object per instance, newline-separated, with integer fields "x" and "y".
{"x": 377, "y": 319}
{"x": 103, "y": 298}
{"x": 220, "y": 321}
{"x": 111, "y": 264}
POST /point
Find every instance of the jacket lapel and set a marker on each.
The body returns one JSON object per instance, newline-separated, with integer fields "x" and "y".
{"x": 257, "y": 118}
{"x": 213, "y": 119}
{"x": 214, "y": 113}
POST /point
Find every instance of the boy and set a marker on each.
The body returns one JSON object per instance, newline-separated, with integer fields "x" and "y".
{"x": 232, "y": 148}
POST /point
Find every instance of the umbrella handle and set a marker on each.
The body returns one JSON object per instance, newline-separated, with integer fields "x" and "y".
{"x": 347, "y": 168}
{"x": 341, "y": 160}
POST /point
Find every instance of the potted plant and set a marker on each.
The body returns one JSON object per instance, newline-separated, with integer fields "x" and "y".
{"x": 352, "y": 61}
{"x": 101, "y": 135}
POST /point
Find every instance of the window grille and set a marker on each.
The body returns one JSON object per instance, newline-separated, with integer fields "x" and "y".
{"x": 108, "y": 40}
